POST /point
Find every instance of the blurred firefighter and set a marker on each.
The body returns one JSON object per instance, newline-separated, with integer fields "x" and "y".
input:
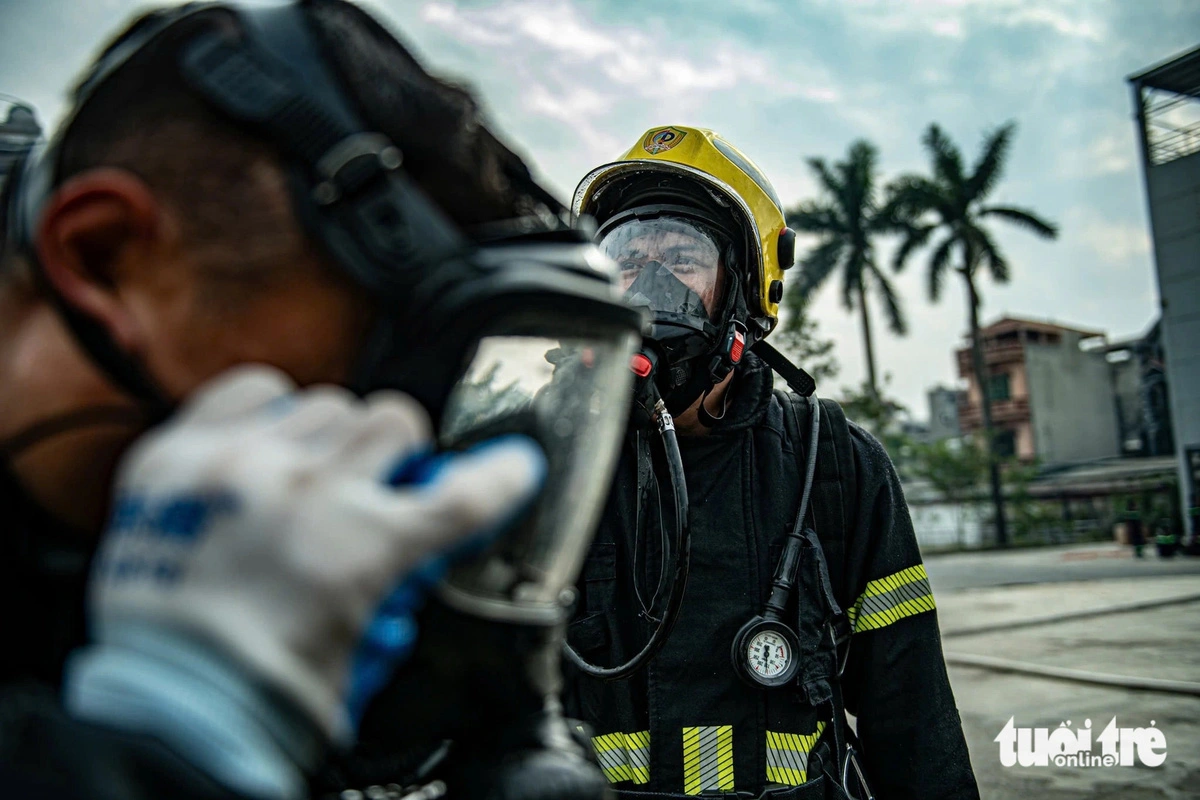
{"x": 247, "y": 209}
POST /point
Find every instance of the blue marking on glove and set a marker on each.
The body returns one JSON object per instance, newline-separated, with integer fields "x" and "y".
{"x": 391, "y": 635}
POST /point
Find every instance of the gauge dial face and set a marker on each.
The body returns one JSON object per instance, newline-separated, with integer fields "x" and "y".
{"x": 768, "y": 654}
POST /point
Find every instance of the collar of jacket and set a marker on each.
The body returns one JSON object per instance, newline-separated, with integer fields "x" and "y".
{"x": 749, "y": 396}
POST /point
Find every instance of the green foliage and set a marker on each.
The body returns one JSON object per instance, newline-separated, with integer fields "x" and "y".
{"x": 956, "y": 469}
{"x": 799, "y": 339}
{"x": 1033, "y": 521}
{"x": 880, "y": 415}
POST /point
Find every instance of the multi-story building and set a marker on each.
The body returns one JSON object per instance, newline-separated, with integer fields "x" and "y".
{"x": 1167, "y": 108}
{"x": 943, "y": 413}
{"x": 1051, "y": 392}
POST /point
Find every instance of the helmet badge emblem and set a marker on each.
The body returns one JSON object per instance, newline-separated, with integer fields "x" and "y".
{"x": 662, "y": 140}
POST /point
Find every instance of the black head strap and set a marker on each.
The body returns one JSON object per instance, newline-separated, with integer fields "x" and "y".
{"x": 352, "y": 194}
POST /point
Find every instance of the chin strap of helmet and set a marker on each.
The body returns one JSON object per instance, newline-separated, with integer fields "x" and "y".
{"x": 801, "y": 382}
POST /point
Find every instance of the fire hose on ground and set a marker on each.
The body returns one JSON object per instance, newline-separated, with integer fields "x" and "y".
{"x": 1065, "y": 673}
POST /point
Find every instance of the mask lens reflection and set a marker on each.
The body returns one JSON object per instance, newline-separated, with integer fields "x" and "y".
{"x": 569, "y": 395}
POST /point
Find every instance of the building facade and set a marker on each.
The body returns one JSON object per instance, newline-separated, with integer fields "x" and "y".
{"x": 1139, "y": 368}
{"x": 1051, "y": 392}
{"x": 1167, "y": 108}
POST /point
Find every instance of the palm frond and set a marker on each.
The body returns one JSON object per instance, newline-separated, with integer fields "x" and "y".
{"x": 990, "y": 165}
{"x": 852, "y": 277}
{"x": 989, "y": 253}
{"x": 892, "y": 307}
{"x": 915, "y": 237}
{"x": 912, "y": 196}
{"x": 937, "y": 266}
{"x": 858, "y": 181}
{"x": 828, "y": 180}
{"x": 816, "y": 217}
{"x": 817, "y": 265}
{"x": 946, "y": 157}
{"x": 1022, "y": 217}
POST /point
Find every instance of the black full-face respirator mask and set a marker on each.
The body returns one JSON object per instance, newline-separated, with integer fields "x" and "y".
{"x": 522, "y": 334}
{"x": 681, "y": 265}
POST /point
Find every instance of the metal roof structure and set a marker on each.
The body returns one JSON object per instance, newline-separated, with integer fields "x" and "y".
{"x": 1179, "y": 75}
{"x": 1168, "y": 115}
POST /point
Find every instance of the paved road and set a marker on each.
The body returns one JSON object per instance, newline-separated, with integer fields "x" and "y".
{"x": 1159, "y": 643}
{"x": 955, "y": 571}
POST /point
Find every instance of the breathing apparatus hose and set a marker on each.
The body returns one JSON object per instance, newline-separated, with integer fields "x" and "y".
{"x": 683, "y": 556}
{"x": 785, "y": 571}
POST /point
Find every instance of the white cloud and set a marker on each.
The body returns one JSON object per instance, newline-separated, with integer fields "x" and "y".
{"x": 1072, "y": 24}
{"x": 628, "y": 60}
{"x": 1109, "y": 154}
{"x": 951, "y": 28}
{"x": 1074, "y": 19}
{"x": 1116, "y": 243}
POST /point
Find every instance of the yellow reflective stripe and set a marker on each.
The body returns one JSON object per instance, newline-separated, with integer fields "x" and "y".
{"x": 624, "y": 756}
{"x": 897, "y": 579}
{"x": 787, "y": 755}
{"x": 708, "y": 759}
{"x": 870, "y": 622}
{"x": 637, "y": 746}
{"x": 889, "y": 599}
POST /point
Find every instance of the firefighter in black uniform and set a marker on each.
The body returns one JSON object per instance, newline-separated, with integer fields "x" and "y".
{"x": 702, "y": 242}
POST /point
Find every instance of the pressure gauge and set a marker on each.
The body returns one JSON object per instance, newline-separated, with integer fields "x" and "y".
{"x": 764, "y": 652}
{"x": 768, "y": 654}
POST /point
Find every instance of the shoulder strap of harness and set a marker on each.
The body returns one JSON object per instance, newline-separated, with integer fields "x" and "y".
{"x": 832, "y": 512}
{"x": 831, "y": 495}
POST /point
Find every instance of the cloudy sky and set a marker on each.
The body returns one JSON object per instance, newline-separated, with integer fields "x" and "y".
{"x": 573, "y": 83}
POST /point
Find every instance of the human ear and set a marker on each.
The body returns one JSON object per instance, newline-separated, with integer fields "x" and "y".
{"x": 99, "y": 230}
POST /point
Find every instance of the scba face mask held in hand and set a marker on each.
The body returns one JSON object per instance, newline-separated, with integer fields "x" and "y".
{"x": 521, "y": 333}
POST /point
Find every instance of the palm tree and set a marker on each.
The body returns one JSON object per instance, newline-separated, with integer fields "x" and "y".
{"x": 847, "y": 218}
{"x": 954, "y": 205}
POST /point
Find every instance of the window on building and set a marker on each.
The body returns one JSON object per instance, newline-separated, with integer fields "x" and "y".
{"x": 1006, "y": 444}
{"x": 998, "y": 387}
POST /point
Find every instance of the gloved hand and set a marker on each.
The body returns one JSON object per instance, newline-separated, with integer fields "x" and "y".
{"x": 250, "y": 593}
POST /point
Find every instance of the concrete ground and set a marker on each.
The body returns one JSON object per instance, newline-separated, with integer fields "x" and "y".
{"x": 1162, "y": 642}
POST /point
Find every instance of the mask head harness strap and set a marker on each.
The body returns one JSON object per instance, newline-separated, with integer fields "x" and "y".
{"x": 346, "y": 183}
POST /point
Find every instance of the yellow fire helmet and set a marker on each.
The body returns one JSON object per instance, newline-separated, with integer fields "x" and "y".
{"x": 715, "y": 173}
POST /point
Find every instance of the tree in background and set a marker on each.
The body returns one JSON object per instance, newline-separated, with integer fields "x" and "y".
{"x": 953, "y": 204}
{"x": 800, "y": 340}
{"x": 880, "y": 415}
{"x": 955, "y": 469}
{"x": 847, "y": 218}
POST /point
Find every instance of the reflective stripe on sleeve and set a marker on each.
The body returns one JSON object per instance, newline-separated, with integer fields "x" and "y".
{"x": 787, "y": 755}
{"x": 708, "y": 759}
{"x": 891, "y": 599}
{"x": 624, "y": 756}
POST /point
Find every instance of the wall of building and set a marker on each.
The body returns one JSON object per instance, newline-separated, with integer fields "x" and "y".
{"x": 1071, "y": 402}
{"x": 1174, "y": 200}
{"x": 1026, "y": 446}
{"x": 1127, "y": 388}
{"x": 943, "y": 413}
{"x": 940, "y": 525}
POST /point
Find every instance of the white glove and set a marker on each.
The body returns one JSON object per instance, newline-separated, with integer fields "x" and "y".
{"x": 253, "y": 541}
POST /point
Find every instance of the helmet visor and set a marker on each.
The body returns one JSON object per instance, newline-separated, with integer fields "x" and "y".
{"x": 668, "y": 265}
